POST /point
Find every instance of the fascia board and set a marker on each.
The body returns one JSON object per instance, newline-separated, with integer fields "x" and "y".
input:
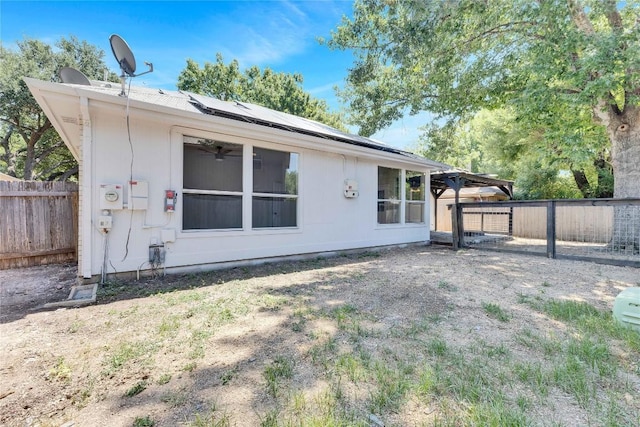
{"x": 44, "y": 94}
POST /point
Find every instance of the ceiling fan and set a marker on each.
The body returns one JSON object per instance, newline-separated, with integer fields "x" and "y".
{"x": 219, "y": 151}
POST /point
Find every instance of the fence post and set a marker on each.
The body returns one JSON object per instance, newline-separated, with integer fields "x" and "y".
{"x": 457, "y": 227}
{"x": 510, "y": 220}
{"x": 551, "y": 229}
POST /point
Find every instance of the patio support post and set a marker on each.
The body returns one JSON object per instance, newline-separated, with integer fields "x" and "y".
{"x": 456, "y": 219}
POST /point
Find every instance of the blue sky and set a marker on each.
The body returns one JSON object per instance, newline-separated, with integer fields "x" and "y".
{"x": 276, "y": 34}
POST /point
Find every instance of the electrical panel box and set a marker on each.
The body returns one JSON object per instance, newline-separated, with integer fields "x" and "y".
{"x": 156, "y": 254}
{"x": 170, "y": 197}
{"x": 111, "y": 196}
{"x": 138, "y": 195}
{"x": 105, "y": 222}
{"x": 351, "y": 188}
{"x": 168, "y": 235}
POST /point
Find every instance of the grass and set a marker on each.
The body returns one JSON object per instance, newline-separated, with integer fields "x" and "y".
{"x": 145, "y": 421}
{"x": 280, "y": 369}
{"x": 325, "y": 359}
{"x": 136, "y": 389}
{"x": 495, "y": 311}
{"x": 469, "y": 384}
{"x": 61, "y": 371}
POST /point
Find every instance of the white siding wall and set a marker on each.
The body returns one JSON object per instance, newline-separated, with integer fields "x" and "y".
{"x": 327, "y": 220}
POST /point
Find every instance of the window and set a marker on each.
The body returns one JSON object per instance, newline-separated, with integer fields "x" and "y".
{"x": 388, "y": 195}
{"x": 212, "y": 185}
{"x": 275, "y": 188}
{"x": 393, "y": 199}
{"x": 415, "y": 197}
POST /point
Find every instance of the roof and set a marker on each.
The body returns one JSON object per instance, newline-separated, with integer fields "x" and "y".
{"x": 5, "y": 177}
{"x": 457, "y": 180}
{"x": 237, "y": 111}
{"x": 474, "y": 192}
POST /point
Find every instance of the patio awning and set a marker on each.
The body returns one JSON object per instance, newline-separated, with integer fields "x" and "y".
{"x": 456, "y": 180}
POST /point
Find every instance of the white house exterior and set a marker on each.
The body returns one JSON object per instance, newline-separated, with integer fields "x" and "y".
{"x": 250, "y": 183}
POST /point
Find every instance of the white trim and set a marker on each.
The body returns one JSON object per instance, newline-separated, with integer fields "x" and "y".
{"x": 87, "y": 181}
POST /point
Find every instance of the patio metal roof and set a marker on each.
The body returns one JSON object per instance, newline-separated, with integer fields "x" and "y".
{"x": 456, "y": 180}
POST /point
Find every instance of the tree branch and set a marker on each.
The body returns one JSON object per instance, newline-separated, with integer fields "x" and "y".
{"x": 613, "y": 16}
{"x": 601, "y": 112}
{"x": 580, "y": 18}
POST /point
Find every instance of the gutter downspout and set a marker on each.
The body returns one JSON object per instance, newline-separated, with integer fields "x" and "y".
{"x": 86, "y": 177}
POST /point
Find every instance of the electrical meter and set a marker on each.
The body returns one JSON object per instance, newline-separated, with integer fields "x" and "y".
{"x": 111, "y": 196}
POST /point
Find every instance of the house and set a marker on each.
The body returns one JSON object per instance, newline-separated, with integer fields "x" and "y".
{"x": 185, "y": 182}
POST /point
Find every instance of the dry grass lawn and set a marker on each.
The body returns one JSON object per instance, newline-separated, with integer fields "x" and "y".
{"x": 402, "y": 337}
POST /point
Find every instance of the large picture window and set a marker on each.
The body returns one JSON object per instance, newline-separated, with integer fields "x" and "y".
{"x": 415, "y": 197}
{"x": 212, "y": 185}
{"x": 275, "y": 188}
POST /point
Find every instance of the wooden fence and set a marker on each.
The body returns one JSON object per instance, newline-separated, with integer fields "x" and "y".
{"x": 38, "y": 223}
{"x": 572, "y": 222}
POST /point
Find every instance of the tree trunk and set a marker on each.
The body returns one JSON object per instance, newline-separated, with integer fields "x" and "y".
{"x": 624, "y": 133}
{"x": 582, "y": 182}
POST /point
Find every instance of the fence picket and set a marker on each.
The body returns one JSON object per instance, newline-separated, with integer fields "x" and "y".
{"x": 38, "y": 223}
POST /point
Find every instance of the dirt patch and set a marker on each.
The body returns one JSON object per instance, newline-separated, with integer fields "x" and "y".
{"x": 25, "y": 290}
{"x": 179, "y": 349}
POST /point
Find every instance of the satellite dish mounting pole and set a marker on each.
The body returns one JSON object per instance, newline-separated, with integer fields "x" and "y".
{"x": 123, "y": 81}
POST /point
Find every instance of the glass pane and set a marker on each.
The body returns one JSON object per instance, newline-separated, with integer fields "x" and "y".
{"x": 414, "y": 213}
{"x": 212, "y": 166}
{"x": 208, "y": 212}
{"x": 274, "y": 212}
{"x": 388, "y": 213}
{"x": 275, "y": 171}
{"x": 388, "y": 183}
{"x": 415, "y": 185}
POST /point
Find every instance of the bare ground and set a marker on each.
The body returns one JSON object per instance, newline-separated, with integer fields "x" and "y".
{"x": 200, "y": 344}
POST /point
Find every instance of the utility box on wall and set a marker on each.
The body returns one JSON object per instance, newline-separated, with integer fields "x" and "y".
{"x": 350, "y": 188}
{"x": 111, "y": 196}
{"x": 138, "y": 195}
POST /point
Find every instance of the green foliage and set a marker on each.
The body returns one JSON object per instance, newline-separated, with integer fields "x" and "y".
{"x": 563, "y": 69}
{"x": 281, "y": 368}
{"x": 144, "y": 422}
{"x": 61, "y": 371}
{"x": 30, "y": 148}
{"x": 136, "y": 389}
{"x": 495, "y": 311}
{"x": 543, "y": 164}
{"x": 278, "y": 91}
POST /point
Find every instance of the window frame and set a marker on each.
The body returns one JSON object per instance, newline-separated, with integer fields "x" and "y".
{"x": 403, "y": 201}
{"x": 275, "y": 195}
{"x": 225, "y": 193}
{"x": 247, "y": 194}
{"x": 408, "y": 201}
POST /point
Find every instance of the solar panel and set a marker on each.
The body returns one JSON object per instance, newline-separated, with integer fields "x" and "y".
{"x": 267, "y": 117}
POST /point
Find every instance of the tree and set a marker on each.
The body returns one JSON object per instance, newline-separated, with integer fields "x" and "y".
{"x": 455, "y": 57}
{"x": 31, "y": 148}
{"x": 500, "y": 142}
{"x": 278, "y": 91}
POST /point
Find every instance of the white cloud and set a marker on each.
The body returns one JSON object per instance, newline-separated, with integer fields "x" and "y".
{"x": 326, "y": 88}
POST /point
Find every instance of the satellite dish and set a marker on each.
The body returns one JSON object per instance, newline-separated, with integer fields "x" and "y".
{"x": 126, "y": 60}
{"x": 123, "y": 55}
{"x": 73, "y": 76}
